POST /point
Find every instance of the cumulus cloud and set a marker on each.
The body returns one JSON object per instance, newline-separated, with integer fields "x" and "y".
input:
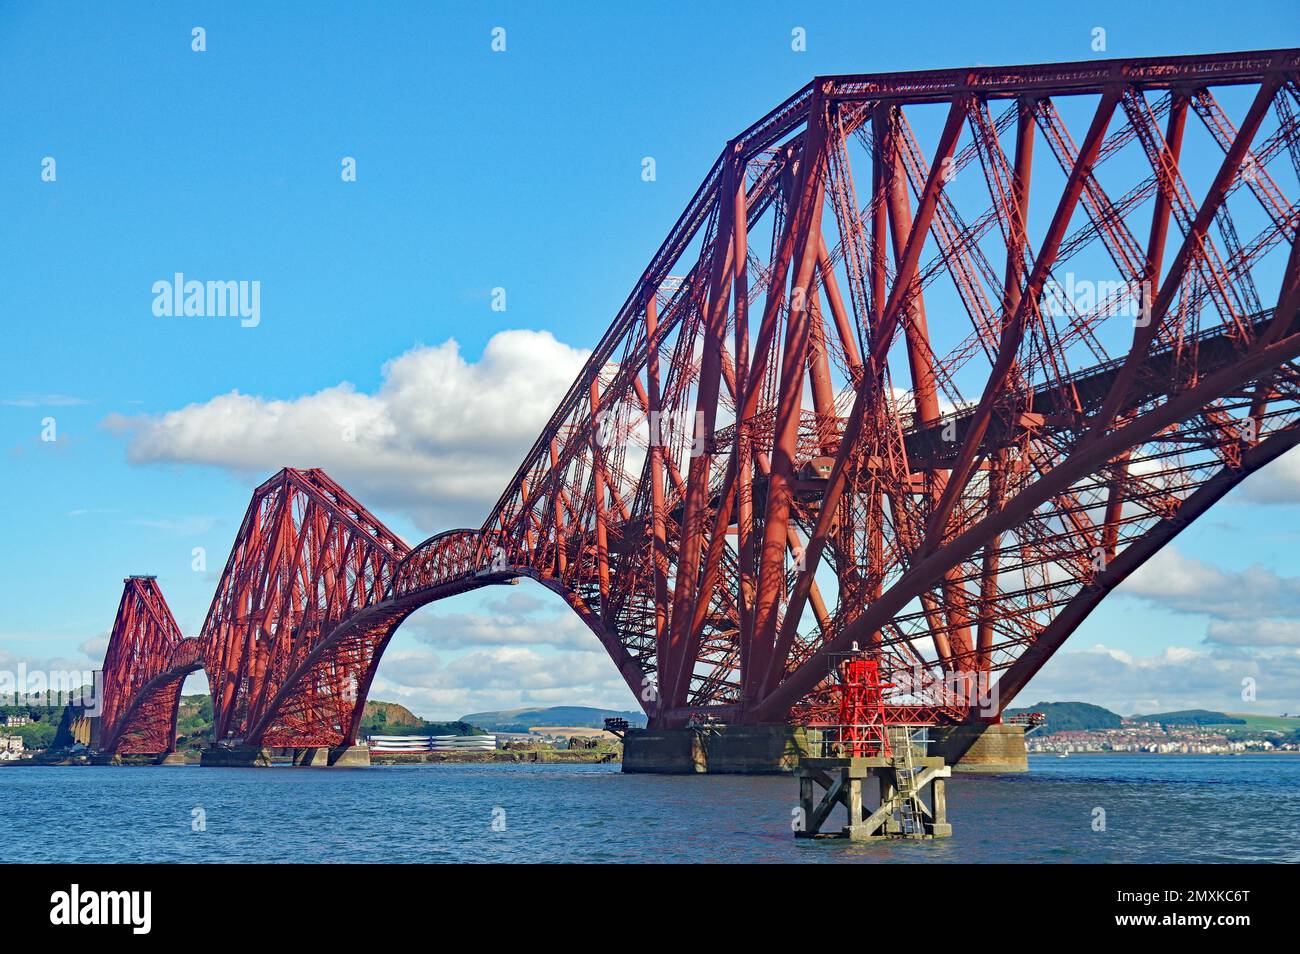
{"x": 1252, "y": 633}
{"x": 517, "y": 649}
{"x": 1178, "y": 678}
{"x": 439, "y": 438}
{"x": 505, "y": 677}
{"x": 1278, "y": 483}
{"x": 508, "y": 621}
{"x": 94, "y": 647}
{"x": 1264, "y": 632}
{"x": 89, "y": 652}
{"x": 1174, "y": 581}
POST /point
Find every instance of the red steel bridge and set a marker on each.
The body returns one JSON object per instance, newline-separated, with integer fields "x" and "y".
{"x": 930, "y": 363}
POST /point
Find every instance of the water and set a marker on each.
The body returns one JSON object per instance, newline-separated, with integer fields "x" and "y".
{"x": 1158, "y": 809}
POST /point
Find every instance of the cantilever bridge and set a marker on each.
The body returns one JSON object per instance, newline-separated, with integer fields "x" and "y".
{"x": 930, "y": 363}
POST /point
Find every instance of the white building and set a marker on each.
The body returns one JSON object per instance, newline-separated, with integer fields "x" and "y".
{"x": 434, "y": 743}
{"x": 11, "y": 748}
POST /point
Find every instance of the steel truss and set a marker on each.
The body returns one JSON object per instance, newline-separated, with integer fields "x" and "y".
{"x": 930, "y": 363}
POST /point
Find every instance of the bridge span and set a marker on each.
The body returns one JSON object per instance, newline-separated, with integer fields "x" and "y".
{"x": 930, "y": 364}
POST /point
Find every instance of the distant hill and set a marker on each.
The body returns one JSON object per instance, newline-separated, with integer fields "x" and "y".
{"x": 1070, "y": 717}
{"x": 390, "y": 713}
{"x": 1190, "y": 717}
{"x": 1266, "y": 724}
{"x": 520, "y": 720}
{"x": 391, "y": 718}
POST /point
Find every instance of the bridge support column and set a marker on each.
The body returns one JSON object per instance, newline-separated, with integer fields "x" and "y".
{"x": 981, "y": 749}
{"x": 719, "y": 750}
{"x": 776, "y": 749}
{"x": 236, "y": 758}
{"x": 135, "y": 758}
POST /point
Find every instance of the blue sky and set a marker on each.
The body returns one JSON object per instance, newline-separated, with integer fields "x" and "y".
{"x": 475, "y": 170}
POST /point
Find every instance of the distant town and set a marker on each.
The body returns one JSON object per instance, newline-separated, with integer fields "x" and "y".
{"x": 1065, "y": 728}
{"x": 1155, "y": 739}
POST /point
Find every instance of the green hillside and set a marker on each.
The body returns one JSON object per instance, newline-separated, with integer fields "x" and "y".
{"x": 1190, "y": 717}
{"x": 1261, "y": 723}
{"x": 390, "y": 718}
{"x": 39, "y": 733}
{"x": 1070, "y": 717}
{"x": 193, "y": 721}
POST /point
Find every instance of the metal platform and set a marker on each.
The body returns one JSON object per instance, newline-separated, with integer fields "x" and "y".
{"x": 902, "y": 809}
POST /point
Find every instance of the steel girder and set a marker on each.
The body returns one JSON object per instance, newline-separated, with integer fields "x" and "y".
{"x": 844, "y": 468}
{"x": 307, "y": 557}
{"x": 144, "y": 668}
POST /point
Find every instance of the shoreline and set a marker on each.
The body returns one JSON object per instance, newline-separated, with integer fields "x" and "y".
{"x": 498, "y": 757}
{"x": 1073, "y": 754}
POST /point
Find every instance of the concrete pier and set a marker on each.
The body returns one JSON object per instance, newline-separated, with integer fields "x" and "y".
{"x": 342, "y": 756}
{"x": 137, "y": 759}
{"x": 776, "y": 749}
{"x": 663, "y": 751}
{"x": 981, "y": 749}
{"x": 235, "y": 758}
{"x": 725, "y": 750}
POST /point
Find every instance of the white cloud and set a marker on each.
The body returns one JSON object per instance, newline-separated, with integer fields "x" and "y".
{"x": 439, "y": 439}
{"x": 1277, "y": 483}
{"x": 1253, "y": 632}
{"x": 505, "y": 677}
{"x": 91, "y": 653}
{"x": 1178, "y": 678}
{"x": 1264, "y": 632}
{"x": 1180, "y": 583}
{"x": 428, "y": 670}
{"x": 95, "y": 647}
{"x": 501, "y": 627}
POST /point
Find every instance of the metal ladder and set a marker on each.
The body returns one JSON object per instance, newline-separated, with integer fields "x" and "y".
{"x": 905, "y": 774}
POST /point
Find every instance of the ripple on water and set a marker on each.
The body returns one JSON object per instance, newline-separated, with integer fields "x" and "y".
{"x": 1156, "y": 809}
